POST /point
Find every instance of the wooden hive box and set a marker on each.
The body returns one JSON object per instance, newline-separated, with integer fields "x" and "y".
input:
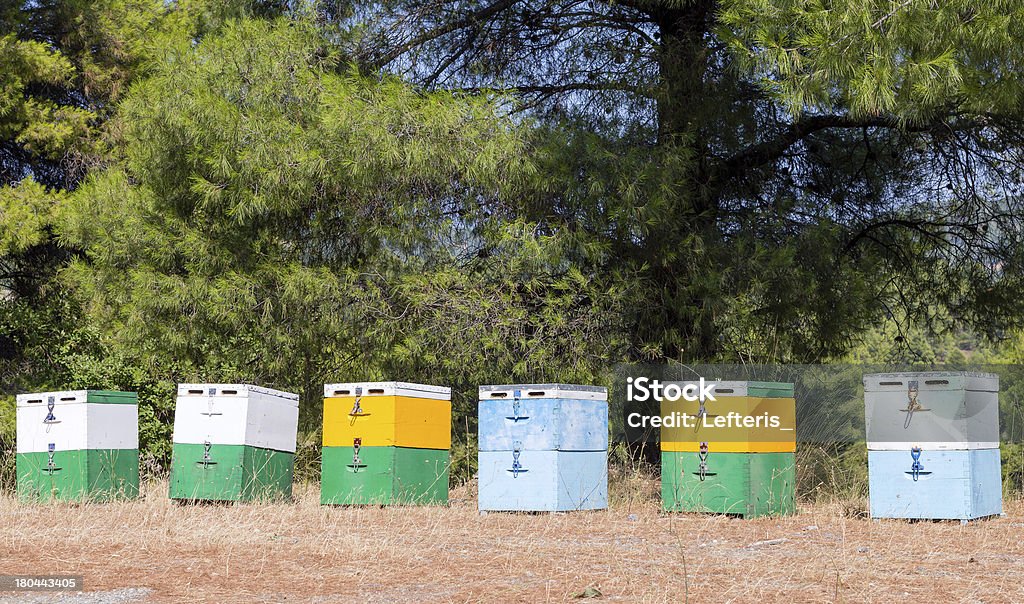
{"x": 933, "y": 445}
{"x": 734, "y": 469}
{"x": 949, "y": 484}
{"x": 80, "y": 445}
{"x": 385, "y": 443}
{"x": 543, "y": 447}
{"x": 932, "y": 410}
{"x": 233, "y": 442}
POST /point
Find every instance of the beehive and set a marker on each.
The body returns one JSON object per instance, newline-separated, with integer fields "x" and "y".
{"x": 933, "y": 445}
{"x": 733, "y": 469}
{"x": 233, "y": 442}
{"x": 385, "y": 443}
{"x": 543, "y": 447}
{"x": 78, "y": 445}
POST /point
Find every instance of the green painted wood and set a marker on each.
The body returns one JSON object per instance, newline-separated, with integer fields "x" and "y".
{"x": 746, "y": 484}
{"x": 111, "y": 397}
{"x": 230, "y": 473}
{"x": 385, "y": 475}
{"x": 79, "y": 475}
{"x": 770, "y": 389}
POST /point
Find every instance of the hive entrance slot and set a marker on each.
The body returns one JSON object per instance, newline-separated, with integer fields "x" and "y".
{"x": 724, "y": 390}
{"x": 936, "y": 382}
{"x": 499, "y": 394}
{"x": 342, "y": 392}
{"x": 890, "y": 383}
{"x": 67, "y": 398}
{"x": 375, "y": 391}
{"x": 195, "y": 391}
{"x": 535, "y": 393}
{"x": 229, "y": 392}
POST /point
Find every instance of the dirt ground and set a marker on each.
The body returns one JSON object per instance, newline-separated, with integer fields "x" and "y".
{"x": 155, "y": 551}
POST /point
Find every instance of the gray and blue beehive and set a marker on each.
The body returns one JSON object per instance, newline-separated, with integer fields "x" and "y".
{"x": 543, "y": 447}
{"x": 933, "y": 445}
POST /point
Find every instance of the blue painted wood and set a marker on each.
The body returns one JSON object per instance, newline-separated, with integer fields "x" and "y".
{"x": 546, "y": 481}
{"x": 963, "y": 484}
{"x": 543, "y": 425}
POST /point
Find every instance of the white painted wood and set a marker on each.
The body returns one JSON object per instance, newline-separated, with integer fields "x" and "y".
{"x": 389, "y": 389}
{"x": 113, "y": 426}
{"x": 727, "y": 388}
{"x": 214, "y": 419}
{"x": 287, "y": 398}
{"x": 77, "y": 426}
{"x": 932, "y": 380}
{"x": 271, "y": 425}
{"x": 548, "y": 391}
{"x": 62, "y": 397}
{"x": 930, "y": 446}
{"x": 254, "y": 417}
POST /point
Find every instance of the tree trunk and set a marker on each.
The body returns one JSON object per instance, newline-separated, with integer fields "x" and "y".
{"x": 686, "y": 114}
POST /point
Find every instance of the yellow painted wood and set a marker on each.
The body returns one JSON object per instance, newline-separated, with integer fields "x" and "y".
{"x": 733, "y": 438}
{"x": 388, "y": 421}
{"x": 731, "y": 447}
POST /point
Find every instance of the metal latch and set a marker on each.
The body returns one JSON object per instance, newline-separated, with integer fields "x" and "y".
{"x": 912, "y": 403}
{"x": 702, "y": 469}
{"x": 50, "y": 417}
{"x": 357, "y": 408}
{"x": 209, "y": 407}
{"x": 517, "y": 468}
{"x": 206, "y": 461}
{"x": 517, "y": 407}
{"x": 50, "y": 466}
{"x": 916, "y": 468}
{"x": 357, "y": 462}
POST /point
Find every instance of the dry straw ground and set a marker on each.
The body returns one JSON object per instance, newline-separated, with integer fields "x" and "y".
{"x": 302, "y": 552}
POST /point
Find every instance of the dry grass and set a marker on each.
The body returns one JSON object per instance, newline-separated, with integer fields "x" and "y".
{"x": 303, "y": 552}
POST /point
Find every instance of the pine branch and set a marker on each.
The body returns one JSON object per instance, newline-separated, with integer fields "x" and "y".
{"x": 475, "y": 17}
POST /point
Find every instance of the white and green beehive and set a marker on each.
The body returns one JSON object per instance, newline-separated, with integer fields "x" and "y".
{"x": 233, "y": 442}
{"x": 80, "y": 445}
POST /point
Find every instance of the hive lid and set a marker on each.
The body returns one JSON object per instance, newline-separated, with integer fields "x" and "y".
{"x": 69, "y": 397}
{"x": 932, "y": 380}
{"x": 234, "y": 390}
{"x": 746, "y": 388}
{"x": 388, "y": 389}
{"x": 536, "y": 391}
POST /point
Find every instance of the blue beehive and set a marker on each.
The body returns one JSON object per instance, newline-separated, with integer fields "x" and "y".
{"x": 543, "y": 447}
{"x": 933, "y": 445}
{"x": 952, "y": 485}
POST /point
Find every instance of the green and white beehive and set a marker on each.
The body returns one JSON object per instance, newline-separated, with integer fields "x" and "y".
{"x": 233, "y": 442}
{"x": 80, "y": 445}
